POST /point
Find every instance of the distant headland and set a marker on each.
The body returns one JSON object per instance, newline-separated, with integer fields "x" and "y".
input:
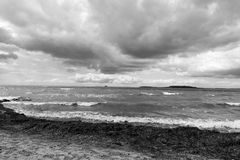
{"x": 182, "y": 87}
{"x": 152, "y": 87}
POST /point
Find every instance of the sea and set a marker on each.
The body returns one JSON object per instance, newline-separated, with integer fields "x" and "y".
{"x": 214, "y": 109}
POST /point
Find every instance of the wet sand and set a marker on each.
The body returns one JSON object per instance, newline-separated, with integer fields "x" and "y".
{"x": 29, "y": 138}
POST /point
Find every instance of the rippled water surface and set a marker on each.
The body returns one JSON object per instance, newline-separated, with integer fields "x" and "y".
{"x": 204, "y": 108}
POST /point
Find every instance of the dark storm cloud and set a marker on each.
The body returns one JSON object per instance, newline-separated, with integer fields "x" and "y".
{"x": 119, "y": 35}
{"x": 111, "y": 67}
{"x": 156, "y": 28}
{"x": 48, "y": 27}
{"x": 60, "y": 48}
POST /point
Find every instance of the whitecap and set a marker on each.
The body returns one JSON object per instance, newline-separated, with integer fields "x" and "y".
{"x": 53, "y": 103}
{"x": 211, "y": 95}
{"x": 97, "y": 95}
{"x": 222, "y": 125}
{"x": 9, "y": 98}
{"x": 147, "y": 94}
{"x": 65, "y": 89}
{"x": 170, "y": 93}
{"x": 232, "y": 103}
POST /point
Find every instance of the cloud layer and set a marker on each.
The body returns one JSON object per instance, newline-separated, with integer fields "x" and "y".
{"x": 144, "y": 28}
{"x": 191, "y": 38}
{"x": 103, "y": 78}
{"x": 119, "y": 36}
{"x": 7, "y": 52}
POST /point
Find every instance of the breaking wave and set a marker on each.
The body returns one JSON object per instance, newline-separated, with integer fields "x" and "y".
{"x": 9, "y": 98}
{"x": 14, "y": 98}
{"x": 221, "y": 125}
{"x": 65, "y": 89}
{"x": 170, "y": 93}
{"x": 232, "y": 103}
{"x": 147, "y": 94}
{"x": 98, "y": 95}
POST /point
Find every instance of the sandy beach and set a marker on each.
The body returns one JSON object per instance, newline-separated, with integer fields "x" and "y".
{"x": 27, "y": 147}
{"x": 29, "y": 138}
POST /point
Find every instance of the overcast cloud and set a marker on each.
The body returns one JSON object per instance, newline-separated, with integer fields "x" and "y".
{"x": 112, "y": 38}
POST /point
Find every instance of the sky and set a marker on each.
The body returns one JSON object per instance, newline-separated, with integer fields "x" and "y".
{"x": 120, "y": 42}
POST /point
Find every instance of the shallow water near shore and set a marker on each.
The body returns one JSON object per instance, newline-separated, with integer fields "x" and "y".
{"x": 203, "y": 108}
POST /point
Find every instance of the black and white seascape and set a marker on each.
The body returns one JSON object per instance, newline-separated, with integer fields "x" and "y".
{"x": 119, "y": 79}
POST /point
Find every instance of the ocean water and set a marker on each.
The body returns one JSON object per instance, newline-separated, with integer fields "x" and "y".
{"x": 203, "y": 108}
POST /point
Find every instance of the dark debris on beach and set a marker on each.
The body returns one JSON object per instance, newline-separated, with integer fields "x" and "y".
{"x": 146, "y": 139}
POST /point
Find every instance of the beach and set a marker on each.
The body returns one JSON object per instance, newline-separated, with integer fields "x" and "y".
{"x": 26, "y": 138}
{"x": 22, "y": 146}
{"x": 120, "y": 79}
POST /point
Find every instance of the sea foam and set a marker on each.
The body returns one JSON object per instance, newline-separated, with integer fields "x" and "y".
{"x": 222, "y": 125}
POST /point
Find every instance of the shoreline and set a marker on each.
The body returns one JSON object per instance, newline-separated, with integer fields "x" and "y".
{"x": 156, "y": 142}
